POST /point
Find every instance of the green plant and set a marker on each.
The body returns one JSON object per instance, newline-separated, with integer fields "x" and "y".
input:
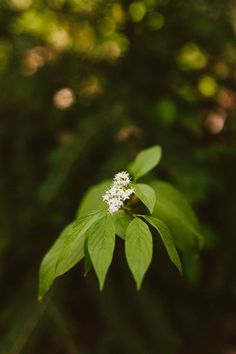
{"x": 132, "y": 209}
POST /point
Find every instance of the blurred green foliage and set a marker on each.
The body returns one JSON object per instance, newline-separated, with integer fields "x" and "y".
{"x": 84, "y": 86}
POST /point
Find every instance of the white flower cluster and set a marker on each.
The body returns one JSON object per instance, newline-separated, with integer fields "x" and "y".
{"x": 118, "y": 192}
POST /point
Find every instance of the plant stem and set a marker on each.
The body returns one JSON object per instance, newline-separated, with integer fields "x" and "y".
{"x": 128, "y": 210}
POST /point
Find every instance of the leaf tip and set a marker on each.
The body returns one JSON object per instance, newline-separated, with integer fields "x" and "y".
{"x": 101, "y": 281}
{"x": 179, "y": 267}
{"x": 101, "y": 286}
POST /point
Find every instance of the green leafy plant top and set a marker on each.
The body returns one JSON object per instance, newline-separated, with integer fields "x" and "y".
{"x": 110, "y": 210}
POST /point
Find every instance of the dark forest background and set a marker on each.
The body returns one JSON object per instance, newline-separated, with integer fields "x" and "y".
{"x": 84, "y": 85}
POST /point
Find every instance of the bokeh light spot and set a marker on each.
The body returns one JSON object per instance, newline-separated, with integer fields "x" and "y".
{"x": 127, "y": 132}
{"x": 33, "y": 22}
{"x": 166, "y": 111}
{"x": 64, "y": 98}
{"x": 84, "y": 39}
{"x": 221, "y": 69}
{"x": 111, "y": 50}
{"x": 82, "y": 5}
{"x": 155, "y": 20}
{"x": 35, "y": 58}
{"x": 19, "y": 5}
{"x": 191, "y": 57}
{"x": 137, "y": 11}
{"x": 118, "y": 14}
{"x": 226, "y": 99}
{"x": 151, "y": 4}
{"x": 59, "y": 38}
{"x": 90, "y": 89}
{"x": 215, "y": 121}
{"x": 107, "y": 26}
{"x": 207, "y": 85}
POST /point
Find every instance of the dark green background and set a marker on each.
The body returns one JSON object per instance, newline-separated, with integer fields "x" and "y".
{"x": 138, "y": 74}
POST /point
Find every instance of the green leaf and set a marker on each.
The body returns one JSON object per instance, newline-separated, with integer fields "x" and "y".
{"x": 87, "y": 259}
{"x": 191, "y": 268}
{"x": 72, "y": 250}
{"x": 167, "y": 239}
{"x": 145, "y": 161}
{"x": 101, "y": 244}
{"x": 173, "y": 209}
{"x": 93, "y": 199}
{"x": 47, "y": 273}
{"x": 121, "y": 221}
{"x": 146, "y": 194}
{"x": 138, "y": 249}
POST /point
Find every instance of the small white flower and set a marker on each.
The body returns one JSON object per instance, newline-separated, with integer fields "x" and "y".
{"x": 118, "y": 192}
{"x": 122, "y": 179}
{"x": 127, "y": 193}
{"x": 114, "y": 205}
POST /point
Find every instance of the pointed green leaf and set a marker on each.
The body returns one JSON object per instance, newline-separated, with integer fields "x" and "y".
{"x": 174, "y": 210}
{"x": 167, "y": 239}
{"x": 72, "y": 250}
{"x": 145, "y": 161}
{"x": 101, "y": 244}
{"x": 87, "y": 259}
{"x": 138, "y": 249}
{"x": 146, "y": 194}
{"x": 121, "y": 221}
{"x": 47, "y": 273}
{"x": 93, "y": 199}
